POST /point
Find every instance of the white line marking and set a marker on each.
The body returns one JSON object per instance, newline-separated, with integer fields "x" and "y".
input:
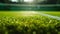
{"x": 41, "y": 13}
{"x": 54, "y": 17}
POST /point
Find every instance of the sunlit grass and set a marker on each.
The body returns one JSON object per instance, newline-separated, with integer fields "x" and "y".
{"x": 21, "y": 13}
{"x": 53, "y": 13}
{"x": 33, "y": 24}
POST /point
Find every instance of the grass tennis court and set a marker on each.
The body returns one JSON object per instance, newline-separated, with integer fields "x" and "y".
{"x": 53, "y": 13}
{"x": 56, "y": 13}
{"x": 29, "y": 22}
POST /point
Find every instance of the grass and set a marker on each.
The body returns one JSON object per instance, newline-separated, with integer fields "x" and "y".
{"x": 53, "y": 13}
{"x": 28, "y": 23}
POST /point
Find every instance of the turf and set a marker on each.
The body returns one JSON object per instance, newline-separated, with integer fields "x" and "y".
{"x": 28, "y": 23}
{"x": 53, "y": 13}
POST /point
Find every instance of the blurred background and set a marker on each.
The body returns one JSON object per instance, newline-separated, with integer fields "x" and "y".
{"x": 31, "y": 5}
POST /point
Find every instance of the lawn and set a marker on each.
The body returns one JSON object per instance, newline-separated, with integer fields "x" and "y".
{"x": 56, "y": 13}
{"x": 31, "y": 22}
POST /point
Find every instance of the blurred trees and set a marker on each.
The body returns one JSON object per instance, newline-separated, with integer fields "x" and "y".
{"x": 49, "y": 2}
{"x": 58, "y": 1}
{"x": 43, "y": 2}
{"x": 10, "y": 1}
{"x": 4, "y": 1}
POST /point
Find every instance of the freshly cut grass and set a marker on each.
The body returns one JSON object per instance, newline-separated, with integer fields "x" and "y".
{"x": 53, "y": 13}
{"x": 22, "y": 23}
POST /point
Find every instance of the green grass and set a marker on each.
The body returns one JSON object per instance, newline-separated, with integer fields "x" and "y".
{"x": 14, "y": 13}
{"x": 53, "y": 13}
{"x": 22, "y": 23}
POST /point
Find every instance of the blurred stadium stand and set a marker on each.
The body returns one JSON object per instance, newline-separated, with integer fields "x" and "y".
{"x": 48, "y": 5}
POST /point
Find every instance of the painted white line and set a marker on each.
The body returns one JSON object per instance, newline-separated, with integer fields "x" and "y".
{"x": 31, "y": 13}
{"x": 41, "y": 13}
{"x": 50, "y": 16}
